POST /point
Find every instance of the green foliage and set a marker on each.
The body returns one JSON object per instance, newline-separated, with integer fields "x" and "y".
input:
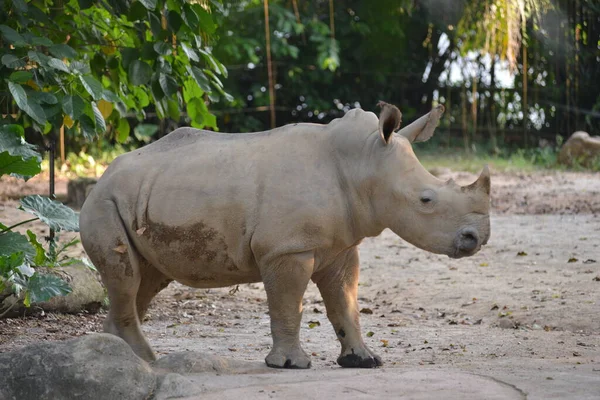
{"x": 17, "y": 157}
{"x": 89, "y": 64}
{"x": 51, "y": 212}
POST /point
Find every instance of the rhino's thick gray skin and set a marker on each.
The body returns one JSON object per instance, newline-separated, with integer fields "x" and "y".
{"x": 282, "y": 207}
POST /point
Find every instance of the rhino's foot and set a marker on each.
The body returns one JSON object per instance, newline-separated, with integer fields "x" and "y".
{"x": 363, "y": 358}
{"x": 294, "y": 359}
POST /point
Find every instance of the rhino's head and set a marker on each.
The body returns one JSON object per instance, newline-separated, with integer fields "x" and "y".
{"x": 435, "y": 215}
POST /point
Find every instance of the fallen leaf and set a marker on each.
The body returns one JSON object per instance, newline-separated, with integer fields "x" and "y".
{"x": 494, "y": 307}
{"x": 366, "y": 311}
{"x": 572, "y": 260}
{"x": 370, "y": 334}
{"x": 483, "y": 264}
{"x": 313, "y": 324}
{"x": 122, "y": 249}
{"x": 141, "y": 231}
{"x": 521, "y": 254}
{"x": 385, "y": 342}
{"x": 589, "y": 261}
{"x": 232, "y": 349}
{"x": 597, "y": 278}
{"x": 317, "y": 311}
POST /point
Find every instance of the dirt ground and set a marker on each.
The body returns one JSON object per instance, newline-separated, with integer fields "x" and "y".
{"x": 530, "y": 297}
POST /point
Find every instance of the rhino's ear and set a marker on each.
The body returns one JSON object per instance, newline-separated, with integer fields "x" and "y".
{"x": 390, "y": 119}
{"x": 423, "y": 128}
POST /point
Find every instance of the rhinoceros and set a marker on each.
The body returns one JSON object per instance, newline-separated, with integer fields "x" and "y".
{"x": 280, "y": 207}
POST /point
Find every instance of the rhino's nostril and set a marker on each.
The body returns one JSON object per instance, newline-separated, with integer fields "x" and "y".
{"x": 469, "y": 240}
{"x": 469, "y": 237}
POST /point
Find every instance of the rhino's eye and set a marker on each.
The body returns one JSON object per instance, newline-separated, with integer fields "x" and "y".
{"x": 427, "y": 197}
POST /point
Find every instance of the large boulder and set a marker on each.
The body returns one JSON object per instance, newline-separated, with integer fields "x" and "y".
{"x": 580, "y": 149}
{"x": 99, "y": 366}
{"x": 87, "y": 293}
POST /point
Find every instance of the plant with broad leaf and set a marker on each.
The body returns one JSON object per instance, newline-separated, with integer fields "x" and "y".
{"x": 23, "y": 257}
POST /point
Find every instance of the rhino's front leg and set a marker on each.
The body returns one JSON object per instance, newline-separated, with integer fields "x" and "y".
{"x": 338, "y": 285}
{"x": 285, "y": 283}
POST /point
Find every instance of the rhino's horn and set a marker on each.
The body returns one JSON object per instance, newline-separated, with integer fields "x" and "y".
{"x": 482, "y": 183}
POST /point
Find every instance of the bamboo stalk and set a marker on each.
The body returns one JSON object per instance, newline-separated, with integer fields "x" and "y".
{"x": 525, "y": 106}
{"x": 62, "y": 144}
{"x": 269, "y": 64}
{"x": 331, "y": 19}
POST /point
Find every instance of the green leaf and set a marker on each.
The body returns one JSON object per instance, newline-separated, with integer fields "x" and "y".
{"x": 18, "y": 94}
{"x": 58, "y": 64}
{"x": 129, "y": 55}
{"x": 173, "y": 109}
{"x": 163, "y": 48}
{"x": 13, "y": 242}
{"x": 73, "y": 106}
{"x": 190, "y": 52}
{"x": 92, "y": 85}
{"x": 42, "y": 97}
{"x": 44, "y": 287}
{"x": 20, "y": 76}
{"x": 35, "y": 111}
{"x": 9, "y": 264}
{"x": 200, "y": 78}
{"x": 191, "y": 90}
{"x": 19, "y": 167}
{"x": 20, "y": 6}
{"x": 191, "y": 18}
{"x": 88, "y": 127}
{"x": 145, "y": 130}
{"x": 12, "y": 36}
{"x": 40, "y": 254}
{"x": 31, "y": 108}
{"x": 56, "y": 215}
{"x": 100, "y": 123}
{"x": 80, "y": 67}
{"x": 137, "y": 12}
{"x": 149, "y": 4}
{"x": 139, "y": 73}
{"x": 123, "y": 130}
{"x": 62, "y": 51}
{"x": 37, "y": 40}
{"x": 12, "y": 61}
{"x": 168, "y": 84}
{"x": 155, "y": 25}
{"x": 210, "y": 120}
{"x": 206, "y": 21}
{"x": 174, "y": 21}
{"x": 196, "y": 110}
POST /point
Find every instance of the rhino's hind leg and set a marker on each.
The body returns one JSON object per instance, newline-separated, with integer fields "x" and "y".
{"x": 285, "y": 283}
{"x": 152, "y": 282}
{"x": 338, "y": 285}
{"x": 108, "y": 246}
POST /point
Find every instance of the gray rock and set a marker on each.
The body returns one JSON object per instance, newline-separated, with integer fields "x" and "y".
{"x": 78, "y": 190}
{"x": 581, "y": 148}
{"x": 99, "y": 366}
{"x": 194, "y": 363}
{"x": 88, "y": 293}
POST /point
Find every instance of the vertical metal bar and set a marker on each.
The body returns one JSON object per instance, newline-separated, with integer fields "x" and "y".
{"x": 52, "y": 151}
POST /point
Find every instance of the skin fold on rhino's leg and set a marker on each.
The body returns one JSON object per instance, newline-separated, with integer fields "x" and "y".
{"x": 285, "y": 283}
{"x": 338, "y": 285}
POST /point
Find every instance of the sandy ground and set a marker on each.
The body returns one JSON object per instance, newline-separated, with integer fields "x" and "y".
{"x": 526, "y": 309}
